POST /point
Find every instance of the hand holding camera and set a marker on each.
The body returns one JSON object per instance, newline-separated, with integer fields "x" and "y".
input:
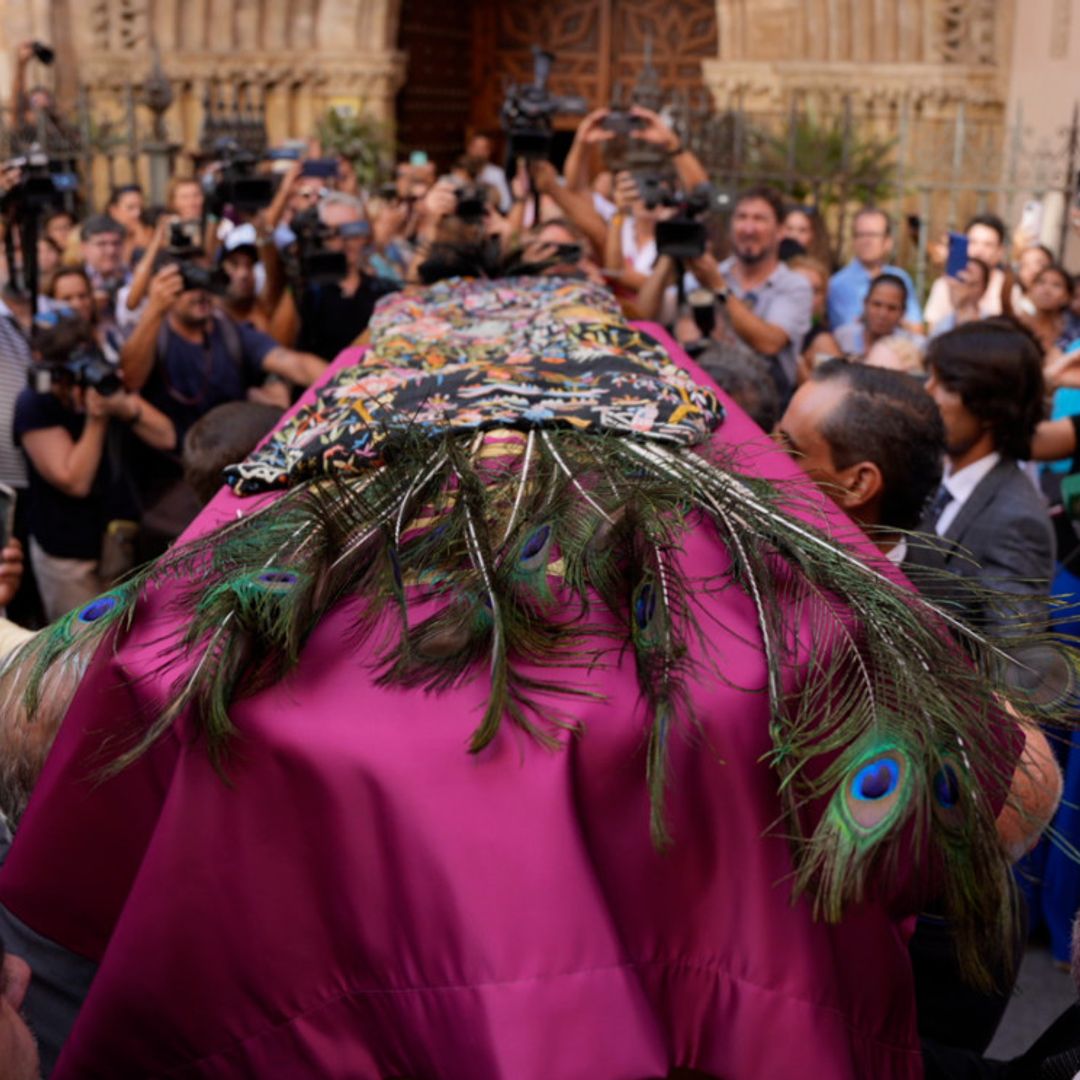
{"x": 165, "y": 286}
{"x": 597, "y": 127}
{"x": 652, "y": 129}
{"x": 438, "y": 203}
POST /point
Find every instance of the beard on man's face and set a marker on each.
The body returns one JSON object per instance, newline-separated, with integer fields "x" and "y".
{"x": 750, "y": 252}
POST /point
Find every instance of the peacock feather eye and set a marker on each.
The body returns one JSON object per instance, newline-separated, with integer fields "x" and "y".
{"x": 535, "y": 549}
{"x": 947, "y": 787}
{"x": 535, "y": 542}
{"x": 876, "y": 781}
{"x": 278, "y": 578}
{"x": 877, "y": 791}
{"x": 96, "y": 609}
{"x": 949, "y": 807}
{"x": 644, "y": 605}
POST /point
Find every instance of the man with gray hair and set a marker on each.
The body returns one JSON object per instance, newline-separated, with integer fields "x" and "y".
{"x": 333, "y": 314}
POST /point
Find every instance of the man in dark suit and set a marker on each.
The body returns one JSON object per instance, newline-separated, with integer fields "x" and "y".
{"x": 992, "y": 523}
{"x": 992, "y": 531}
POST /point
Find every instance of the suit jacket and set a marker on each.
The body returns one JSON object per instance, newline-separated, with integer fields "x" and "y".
{"x": 1001, "y": 539}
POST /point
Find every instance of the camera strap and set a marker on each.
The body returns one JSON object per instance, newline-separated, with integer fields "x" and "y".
{"x": 234, "y": 348}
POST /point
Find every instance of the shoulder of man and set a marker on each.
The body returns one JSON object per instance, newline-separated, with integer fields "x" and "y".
{"x": 790, "y": 281}
{"x": 850, "y": 270}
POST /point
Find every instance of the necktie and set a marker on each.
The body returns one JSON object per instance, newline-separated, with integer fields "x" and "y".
{"x": 942, "y": 497}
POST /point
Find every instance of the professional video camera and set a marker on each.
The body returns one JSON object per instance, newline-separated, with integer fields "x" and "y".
{"x": 309, "y": 262}
{"x": 34, "y": 184}
{"x": 183, "y": 248}
{"x": 683, "y": 236}
{"x": 67, "y": 355}
{"x": 42, "y": 183}
{"x": 236, "y": 184}
{"x": 527, "y": 111}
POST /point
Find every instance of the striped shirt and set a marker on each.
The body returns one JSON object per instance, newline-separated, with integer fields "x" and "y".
{"x": 15, "y": 358}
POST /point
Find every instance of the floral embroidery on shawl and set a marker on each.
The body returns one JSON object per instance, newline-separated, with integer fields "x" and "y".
{"x": 475, "y": 355}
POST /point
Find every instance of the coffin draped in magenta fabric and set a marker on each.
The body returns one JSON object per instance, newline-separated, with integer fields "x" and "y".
{"x": 365, "y": 899}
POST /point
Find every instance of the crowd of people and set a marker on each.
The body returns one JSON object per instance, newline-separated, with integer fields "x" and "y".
{"x": 161, "y": 343}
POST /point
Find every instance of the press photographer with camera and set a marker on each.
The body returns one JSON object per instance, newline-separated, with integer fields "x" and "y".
{"x": 71, "y": 424}
{"x": 335, "y": 307}
{"x": 34, "y": 109}
{"x": 185, "y": 356}
{"x": 766, "y": 306}
{"x": 69, "y": 286}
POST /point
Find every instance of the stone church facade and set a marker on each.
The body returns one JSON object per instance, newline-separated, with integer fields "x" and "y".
{"x": 310, "y": 52}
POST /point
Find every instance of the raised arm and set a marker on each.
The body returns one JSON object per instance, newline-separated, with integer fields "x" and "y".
{"x": 575, "y": 206}
{"x": 137, "y": 354}
{"x": 23, "y": 55}
{"x": 591, "y": 132}
{"x": 654, "y": 130}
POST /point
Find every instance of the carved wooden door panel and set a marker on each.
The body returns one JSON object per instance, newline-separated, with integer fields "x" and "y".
{"x": 598, "y": 44}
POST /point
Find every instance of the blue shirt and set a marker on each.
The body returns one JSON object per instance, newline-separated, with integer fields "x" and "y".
{"x": 848, "y": 289}
{"x": 188, "y": 379}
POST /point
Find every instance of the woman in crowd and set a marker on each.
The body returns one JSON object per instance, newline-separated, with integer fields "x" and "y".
{"x": 59, "y": 227}
{"x": 803, "y": 225}
{"x": 819, "y": 343}
{"x": 1029, "y": 264}
{"x": 883, "y": 312}
{"x": 1051, "y": 296}
{"x": 74, "y": 457}
{"x": 966, "y": 291}
{"x": 69, "y": 286}
{"x": 126, "y": 205}
{"x": 630, "y": 251}
{"x": 185, "y": 198}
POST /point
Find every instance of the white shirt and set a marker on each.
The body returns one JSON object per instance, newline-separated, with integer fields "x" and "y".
{"x": 898, "y": 552}
{"x": 960, "y": 485}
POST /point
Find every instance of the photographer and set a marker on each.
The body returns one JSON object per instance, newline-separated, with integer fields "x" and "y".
{"x": 69, "y": 286}
{"x": 73, "y": 454}
{"x": 332, "y": 315}
{"x": 28, "y": 108}
{"x": 188, "y": 357}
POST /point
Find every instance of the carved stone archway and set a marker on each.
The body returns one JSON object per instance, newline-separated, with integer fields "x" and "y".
{"x": 934, "y": 53}
{"x": 306, "y": 54}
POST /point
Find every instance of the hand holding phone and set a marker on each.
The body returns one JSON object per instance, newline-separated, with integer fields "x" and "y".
{"x": 958, "y": 254}
{"x": 322, "y": 168}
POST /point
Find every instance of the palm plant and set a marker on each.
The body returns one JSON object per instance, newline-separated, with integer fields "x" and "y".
{"x": 360, "y": 139}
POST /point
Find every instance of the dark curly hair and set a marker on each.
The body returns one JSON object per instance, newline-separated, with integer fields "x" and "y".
{"x": 995, "y": 366}
{"x": 887, "y": 418}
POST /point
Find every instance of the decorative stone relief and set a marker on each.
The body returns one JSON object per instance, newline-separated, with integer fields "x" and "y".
{"x": 1060, "y": 28}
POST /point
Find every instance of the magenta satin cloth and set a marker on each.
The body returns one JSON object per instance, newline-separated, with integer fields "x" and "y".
{"x": 365, "y": 899}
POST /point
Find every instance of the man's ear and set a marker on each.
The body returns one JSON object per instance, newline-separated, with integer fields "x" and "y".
{"x": 861, "y": 484}
{"x": 888, "y": 245}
